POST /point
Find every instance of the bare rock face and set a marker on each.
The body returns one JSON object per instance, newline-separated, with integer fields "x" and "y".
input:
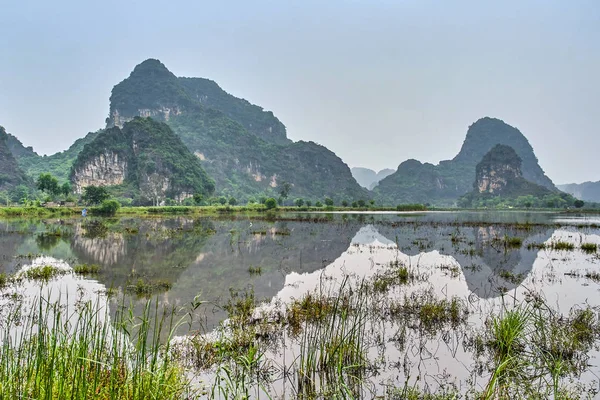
{"x": 106, "y": 169}
{"x": 497, "y": 169}
{"x": 145, "y": 156}
{"x": 159, "y": 114}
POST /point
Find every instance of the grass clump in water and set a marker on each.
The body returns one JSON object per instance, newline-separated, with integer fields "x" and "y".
{"x": 536, "y": 246}
{"x": 429, "y": 313}
{"x": 43, "y": 273}
{"x": 146, "y": 288}
{"x": 561, "y": 245}
{"x": 589, "y": 247}
{"x": 511, "y": 277}
{"x": 255, "y": 270}
{"x": 532, "y": 348}
{"x": 512, "y": 242}
{"x": 86, "y": 269}
{"x": 395, "y": 275}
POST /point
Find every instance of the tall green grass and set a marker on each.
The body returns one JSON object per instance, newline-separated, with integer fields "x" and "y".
{"x": 57, "y": 352}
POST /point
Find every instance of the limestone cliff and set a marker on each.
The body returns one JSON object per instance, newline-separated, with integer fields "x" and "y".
{"x": 446, "y": 182}
{"x": 499, "y": 179}
{"x": 105, "y": 169}
{"x": 144, "y": 157}
{"x": 499, "y": 168}
{"x": 243, "y": 147}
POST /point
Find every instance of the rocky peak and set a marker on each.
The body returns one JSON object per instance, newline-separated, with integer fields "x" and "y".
{"x": 487, "y": 132}
{"x": 151, "y": 90}
{"x": 498, "y": 167}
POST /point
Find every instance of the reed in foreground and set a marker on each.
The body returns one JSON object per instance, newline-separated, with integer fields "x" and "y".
{"x": 52, "y": 352}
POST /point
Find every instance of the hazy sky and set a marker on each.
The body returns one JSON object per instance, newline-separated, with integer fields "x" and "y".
{"x": 377, "y": 82}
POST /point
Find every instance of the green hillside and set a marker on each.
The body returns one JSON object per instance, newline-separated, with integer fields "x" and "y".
{"x": 146, "y": 159}
{"x": 241, "y": 146}
{"x": 442, "y": 184}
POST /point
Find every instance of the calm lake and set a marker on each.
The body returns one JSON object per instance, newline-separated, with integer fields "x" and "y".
{"x": 485, "y": 260}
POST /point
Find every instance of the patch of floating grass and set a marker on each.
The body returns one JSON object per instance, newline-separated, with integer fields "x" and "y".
{"x": 589, "y": 247}
{"x": 86, "y": 269}
{"x": 536, "y": 246}
{"x": 562, "y": 245}
{"x": 255, "y": 270}
{"x": 511, "y": 276}
{"x": 146, "y": 288}
{"x": 430, "y": 313}
{"x": 43, "y": 273}
{"x": 513, "y": 241}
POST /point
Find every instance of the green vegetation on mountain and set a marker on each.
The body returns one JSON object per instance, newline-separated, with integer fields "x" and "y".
{"x": 150, "y": 161}
{"x": 442, "y": 184}
{"x": 59, "y": 164}
{"x": 11, "y": 175}
{"x": 499, "y": 182}
{"x": 241, "y": 146}
{"x": 151, "y": 86}
{"x": 252, "y": 117}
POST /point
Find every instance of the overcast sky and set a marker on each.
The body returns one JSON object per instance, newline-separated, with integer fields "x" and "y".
{"x": 377, "y": 82}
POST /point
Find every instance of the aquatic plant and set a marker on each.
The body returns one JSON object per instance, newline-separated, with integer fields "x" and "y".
{"x": 589, "y": 247}
{"x": 43, "y": 272}
{"x": 86, "y": 269}
{"x": 77, "y": 353}
{"x": 562, "y": 245}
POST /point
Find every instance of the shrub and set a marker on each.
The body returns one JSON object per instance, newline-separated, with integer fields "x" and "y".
{"x": 270, "y": 203}
{"x": 108, "y": 207}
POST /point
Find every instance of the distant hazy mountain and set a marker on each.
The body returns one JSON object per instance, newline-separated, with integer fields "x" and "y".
{"x": 586, "y": 191}
{"x": 442, "y": 184}
{"x": 368, "y": 178}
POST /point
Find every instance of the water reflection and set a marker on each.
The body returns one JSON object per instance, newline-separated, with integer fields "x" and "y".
{"x": 208, "y": 256}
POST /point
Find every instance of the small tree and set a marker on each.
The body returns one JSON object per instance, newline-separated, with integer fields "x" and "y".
{"x": 198, "y": 198}
{"x": 372, "y": 202}
{"x": 94, "y": 194}
{"x": 578, "y": 203}
{"x": 270, "y": 203}
{"x": 344, "y": 203}
{"x": 308, "y": 203}
{"x": 284, "y": 189}
{"x": 361, "y": 203}
{"x": 318, "y": 204}
{"x": 222, "y": 200}
{"x": 328, "y": 202}
{"x": 232, "y": 201}
{"x": 49, "y": 184}
{"x": 299, "y": 202}
{"x": 354, "y": 204}
{"x": 66, "y": 189}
